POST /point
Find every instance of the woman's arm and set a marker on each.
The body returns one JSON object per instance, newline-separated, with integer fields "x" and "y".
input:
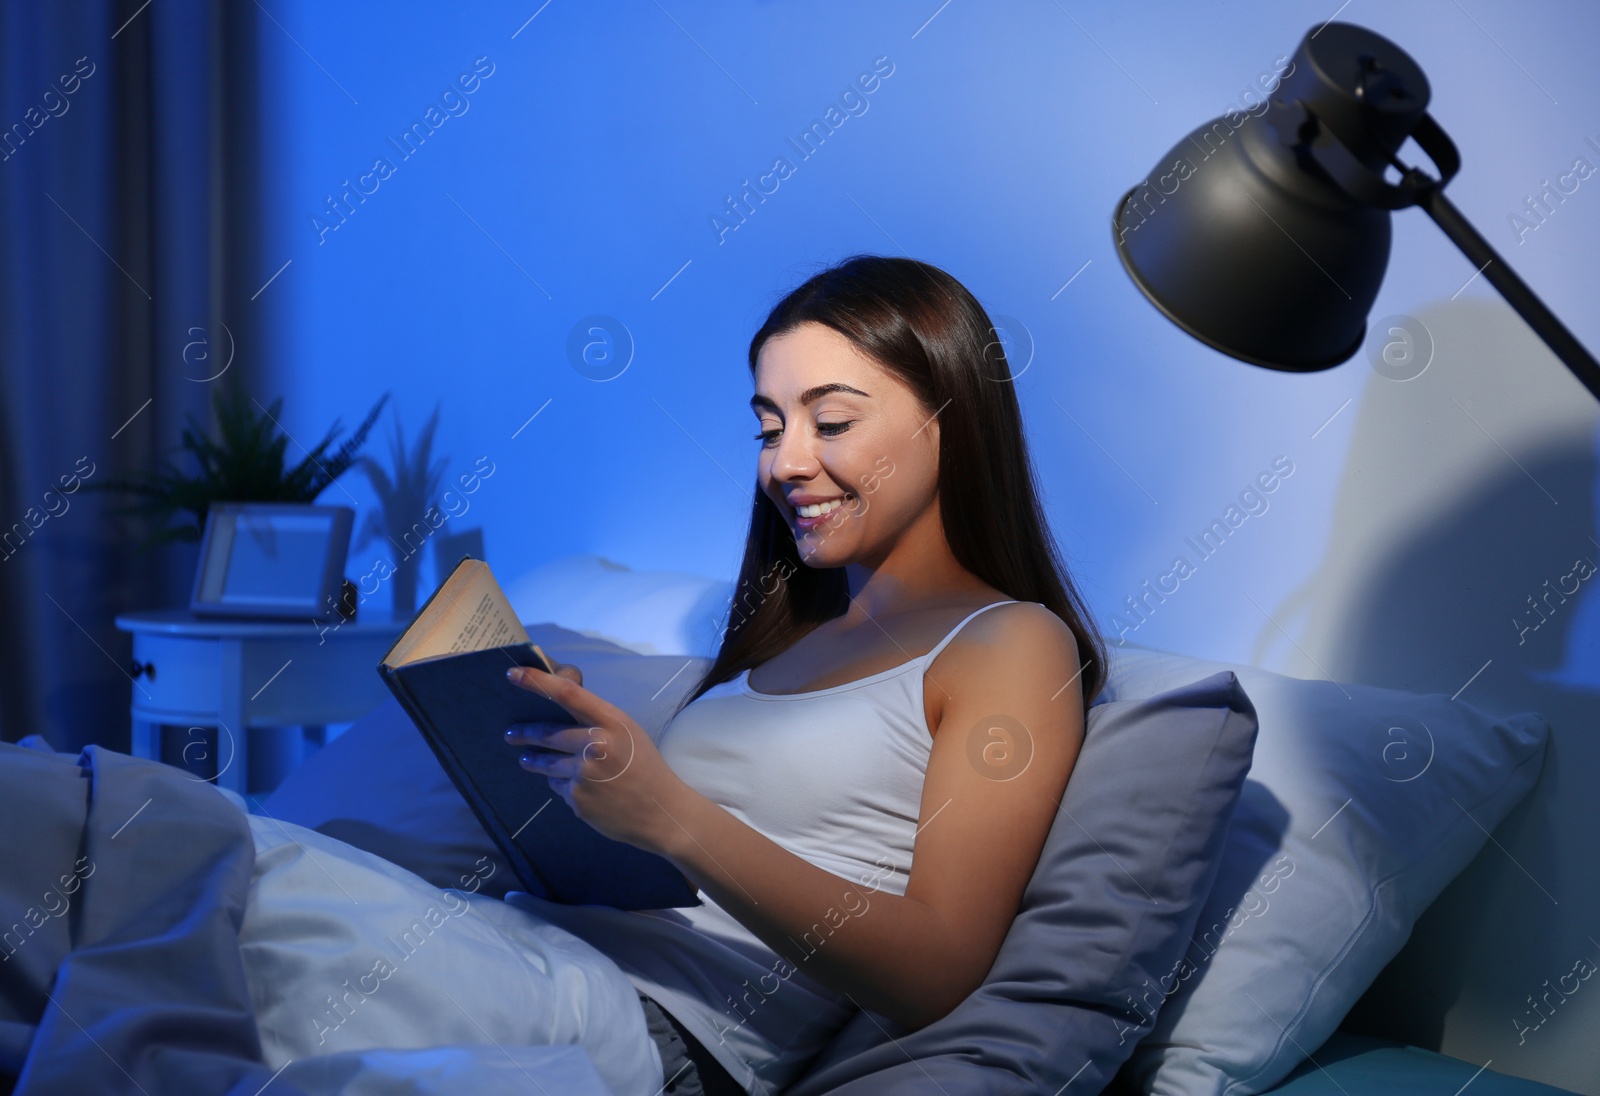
{"x": 1008, "y": 734}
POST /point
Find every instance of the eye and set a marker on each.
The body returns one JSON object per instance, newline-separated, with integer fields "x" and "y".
{"x": 826, "y": 429}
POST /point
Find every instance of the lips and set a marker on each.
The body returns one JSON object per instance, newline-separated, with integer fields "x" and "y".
{"x": 806, "y": 524}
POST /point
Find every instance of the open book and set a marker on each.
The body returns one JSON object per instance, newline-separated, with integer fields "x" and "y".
{"x": 448, "y": 670}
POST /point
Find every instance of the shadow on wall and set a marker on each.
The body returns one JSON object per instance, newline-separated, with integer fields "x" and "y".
{"x": 1463, "y": 546}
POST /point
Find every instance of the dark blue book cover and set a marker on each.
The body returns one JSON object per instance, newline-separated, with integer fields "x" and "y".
{"x": 462, "y": 704}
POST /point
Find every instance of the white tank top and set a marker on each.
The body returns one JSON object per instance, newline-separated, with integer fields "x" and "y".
{"x": 832, "y": 775}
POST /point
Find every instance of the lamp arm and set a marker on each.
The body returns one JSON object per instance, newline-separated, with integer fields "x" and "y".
{"x": 1511, "y": 287}
{"x": 1417, "y": 187}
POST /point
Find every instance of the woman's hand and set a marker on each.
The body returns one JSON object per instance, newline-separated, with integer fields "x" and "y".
{"x": 565, "y": 669}
{"x": 609, "y": 772}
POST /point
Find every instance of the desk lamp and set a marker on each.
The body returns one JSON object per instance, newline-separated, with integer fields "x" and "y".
{"x": 1267, "y": 238}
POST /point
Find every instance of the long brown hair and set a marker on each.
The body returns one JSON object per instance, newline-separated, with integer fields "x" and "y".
{"x": 922, "y": 325}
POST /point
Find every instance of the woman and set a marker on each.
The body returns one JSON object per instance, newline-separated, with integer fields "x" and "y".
{"x": 908, "y": 664}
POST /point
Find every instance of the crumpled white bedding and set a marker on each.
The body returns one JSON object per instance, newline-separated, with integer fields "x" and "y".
{"x": 362, "y": 974}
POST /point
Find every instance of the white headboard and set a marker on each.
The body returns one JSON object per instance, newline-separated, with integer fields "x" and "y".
{"x": 1468, "y": 494}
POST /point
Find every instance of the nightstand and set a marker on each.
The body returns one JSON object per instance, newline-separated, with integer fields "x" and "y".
{"x": 203, "y": 672}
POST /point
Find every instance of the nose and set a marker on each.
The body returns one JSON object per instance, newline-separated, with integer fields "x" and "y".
{"x": 794, "y": 457}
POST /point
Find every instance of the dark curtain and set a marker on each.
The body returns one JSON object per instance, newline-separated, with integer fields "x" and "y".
{"x": 126, "y": 252}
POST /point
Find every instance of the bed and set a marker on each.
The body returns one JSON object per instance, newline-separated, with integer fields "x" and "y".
{"x": 1237, "y": 856}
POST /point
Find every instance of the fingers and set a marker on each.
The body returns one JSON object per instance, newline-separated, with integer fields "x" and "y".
{"x": 563, "y": 669}
{"x": 552, "y": 736}
{"x": 563, "y": 788}
{"x": 553, "y": 765}
{"x": 598, "y": 754}
{"x": 529, "y": 677}
{"x": 567, "y": 692}
{"x": 557, "y": 686}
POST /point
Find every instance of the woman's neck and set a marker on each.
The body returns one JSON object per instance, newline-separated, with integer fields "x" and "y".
{"x": 916, "y": 574}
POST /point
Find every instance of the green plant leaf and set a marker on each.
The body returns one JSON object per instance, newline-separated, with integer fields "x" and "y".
{"x": 244, "y": 462}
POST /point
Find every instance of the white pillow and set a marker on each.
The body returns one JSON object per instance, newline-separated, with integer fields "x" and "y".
{"x": 345, "y": 951}
{"x": 1361, "y": 805}
{"x": 648, "y": 612}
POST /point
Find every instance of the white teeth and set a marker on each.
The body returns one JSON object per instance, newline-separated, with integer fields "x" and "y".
{"x": 816, "y": 510}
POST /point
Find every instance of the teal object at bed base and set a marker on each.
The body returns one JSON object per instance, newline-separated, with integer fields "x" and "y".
{"x": 1358, "y": 1065}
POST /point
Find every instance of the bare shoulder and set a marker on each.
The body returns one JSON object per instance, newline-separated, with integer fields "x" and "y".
{"x": 1019, "y": 629}
{"x": 1028, "y": 618}
{"x": 1014, "y": 650}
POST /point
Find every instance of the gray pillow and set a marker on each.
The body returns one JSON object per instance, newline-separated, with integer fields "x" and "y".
{"x": 1110, "y": 908}
{"x": 378, "y": 786}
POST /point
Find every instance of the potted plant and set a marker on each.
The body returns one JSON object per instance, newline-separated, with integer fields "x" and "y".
{"x": 243, "y": 463}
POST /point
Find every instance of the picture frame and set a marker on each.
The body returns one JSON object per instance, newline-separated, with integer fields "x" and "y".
{"x": 272, "y": 560}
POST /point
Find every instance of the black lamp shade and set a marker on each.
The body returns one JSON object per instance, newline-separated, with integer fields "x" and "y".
{"x": 1241, "y": 237}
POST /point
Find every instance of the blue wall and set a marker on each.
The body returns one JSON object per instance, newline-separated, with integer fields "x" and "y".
{"x": 583, "y": 176}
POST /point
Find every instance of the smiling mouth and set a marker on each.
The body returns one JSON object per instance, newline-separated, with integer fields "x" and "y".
{"x": 816, "y": 515}
{"x": 820, "y": 509}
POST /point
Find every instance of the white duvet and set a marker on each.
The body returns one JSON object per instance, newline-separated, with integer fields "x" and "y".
{"x": 368, "y": 979}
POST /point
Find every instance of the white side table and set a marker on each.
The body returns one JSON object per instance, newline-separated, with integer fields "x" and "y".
{"x": 196, "y": 672}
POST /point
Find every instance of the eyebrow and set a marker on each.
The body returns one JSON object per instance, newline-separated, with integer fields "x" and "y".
{"x": 810, "y": 395}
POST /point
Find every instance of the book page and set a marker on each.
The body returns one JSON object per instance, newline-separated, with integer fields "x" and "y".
{"x": 483, "y": 625}
{"x": 468, "y": 612}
